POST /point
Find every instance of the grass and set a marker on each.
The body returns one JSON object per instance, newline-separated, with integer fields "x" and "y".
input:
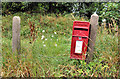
{"x": 49, "y": 56}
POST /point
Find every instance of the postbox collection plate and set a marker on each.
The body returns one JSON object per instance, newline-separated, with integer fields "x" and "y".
{"x": 78, "y": 47}
{"x": 79, "y": 42}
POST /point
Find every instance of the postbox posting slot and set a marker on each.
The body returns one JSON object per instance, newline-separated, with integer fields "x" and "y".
{"x": 80, "y": 31}
{"x": 80, "y": 27}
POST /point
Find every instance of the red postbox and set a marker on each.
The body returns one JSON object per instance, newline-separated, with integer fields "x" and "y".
{"x": 79, "y": 41}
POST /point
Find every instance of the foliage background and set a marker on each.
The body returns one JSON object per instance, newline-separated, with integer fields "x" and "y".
{"x": 104, "y": 10}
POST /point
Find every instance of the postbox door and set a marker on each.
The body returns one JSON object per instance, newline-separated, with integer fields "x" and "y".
{"x": 80, "y": 50}
{"x": 79, "y": 41}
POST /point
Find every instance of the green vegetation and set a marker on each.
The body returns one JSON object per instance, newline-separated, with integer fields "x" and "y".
{"x": 106, "y": 11}
{"x": 48, "y": 55}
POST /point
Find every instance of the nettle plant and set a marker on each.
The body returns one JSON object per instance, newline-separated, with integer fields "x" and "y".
{"x": 110, "y": 13}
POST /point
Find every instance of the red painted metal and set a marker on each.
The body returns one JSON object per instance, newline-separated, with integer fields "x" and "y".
{"x": 80, "y": 33}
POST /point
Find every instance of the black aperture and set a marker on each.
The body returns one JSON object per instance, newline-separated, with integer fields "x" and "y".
{"x": 80, "y": 29}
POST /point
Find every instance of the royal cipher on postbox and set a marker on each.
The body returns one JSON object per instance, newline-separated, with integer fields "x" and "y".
{"x": 79, "y": 43}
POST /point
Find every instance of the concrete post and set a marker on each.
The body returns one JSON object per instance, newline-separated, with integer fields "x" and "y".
{"x": 16, "y": 34}
{"x": 93, "y": 31}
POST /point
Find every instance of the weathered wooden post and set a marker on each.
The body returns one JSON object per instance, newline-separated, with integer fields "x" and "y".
{"x": 16, "y": 34}
{"x": 93, "y": 31}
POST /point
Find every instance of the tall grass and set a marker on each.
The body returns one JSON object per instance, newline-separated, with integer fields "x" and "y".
{"x": 48, "y": 55}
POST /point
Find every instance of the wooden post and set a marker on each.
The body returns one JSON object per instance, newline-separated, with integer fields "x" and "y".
{"x": 93, "y": 31}
{"x": 16, "y": 34}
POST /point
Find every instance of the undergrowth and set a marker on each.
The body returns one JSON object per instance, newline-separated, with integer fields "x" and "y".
{"x": 48, "y": 55}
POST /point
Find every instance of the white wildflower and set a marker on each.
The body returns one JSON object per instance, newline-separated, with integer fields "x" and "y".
{"x": 42, "y": 37}
{"x": 57, "y": 39}
{"x": 52, "y": 36}
{"x": 44, "y": 45}
{"x": 55, "y": 33}
{"x": 104, "y": 20}
{"x": 56, "y": 45}
{"x": 43, "y": 31}
{"x": 45, "y": 39}
{"x": 51, "y": 39}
